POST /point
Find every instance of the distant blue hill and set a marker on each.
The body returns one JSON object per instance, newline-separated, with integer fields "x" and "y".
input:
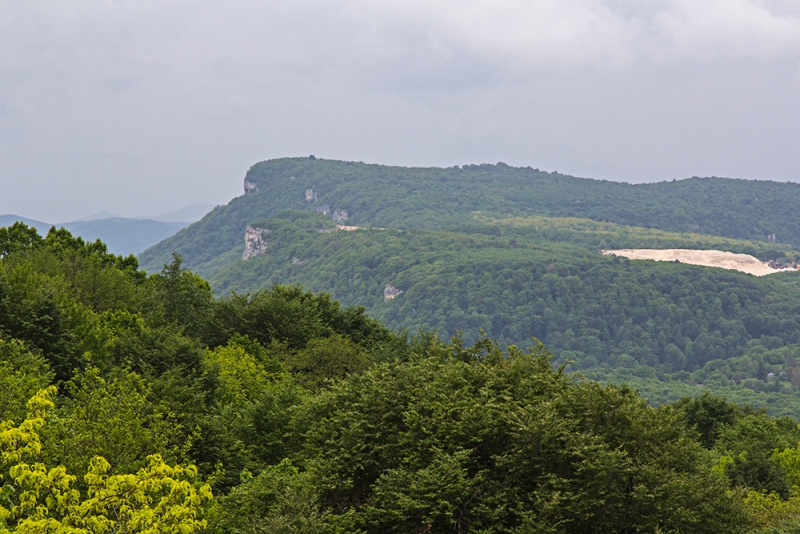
{"x": 187, "y": 214}
{"x": 9, "y": 219}
{"x": 121, "y": 235}
{"x": 125, "y": 236}
{"x": 190, "y": 213}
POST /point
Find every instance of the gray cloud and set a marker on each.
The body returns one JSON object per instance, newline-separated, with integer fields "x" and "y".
{"x": 144, "y": 106}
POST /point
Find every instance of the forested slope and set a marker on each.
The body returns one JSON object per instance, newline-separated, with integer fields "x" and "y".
{"x": 283, "y": 411}
{"x": 514, "y": 252}
{"x": 398, "y": 197}
{"x": 661, "y": 321}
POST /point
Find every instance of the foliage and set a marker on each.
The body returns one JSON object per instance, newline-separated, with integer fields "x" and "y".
{"x": 178, "y": 296}
{"x": 157, "y": 498}
{"x": 18, "y": 237}
{"x": 112, "y": 418}
{"x": 772, "y": 515}
{"x": 513, "y": 251}
{"x": 469, "y": 440}
{"x": 280, "y": 500}
{"x": 307, "y": 415}
{"x": 327, "y": 359}
{"x": 22, "y": 374}
{"x": 293, "y": 316}
{"x": 609, "y": 315}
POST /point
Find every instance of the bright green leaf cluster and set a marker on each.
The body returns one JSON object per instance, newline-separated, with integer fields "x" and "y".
{"x": 158, "y": 498}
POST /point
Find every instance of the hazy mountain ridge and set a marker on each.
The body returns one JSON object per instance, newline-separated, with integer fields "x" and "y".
{"x": 122, "y": 235}
{"x": 9, "y": 219}
{"x": 125, "y": 236}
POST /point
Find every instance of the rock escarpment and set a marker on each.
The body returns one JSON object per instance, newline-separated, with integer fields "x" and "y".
{"x": 390, "y": 292}
{"x": 249, "y": 187}
{"x": 340, "y": 216}
{"x": 255, "y": 242}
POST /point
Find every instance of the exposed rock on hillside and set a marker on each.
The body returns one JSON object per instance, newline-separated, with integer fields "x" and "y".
{"x": 249, "y": 187}
{"x": 707, "y": 258}
{"x": 390, "y": 292}
{"x": 340, "y": 216}
{"x": 343, "y": 227}
{"x": 311, "y": 196}
{"x": 325, "y": 209}
{"x": 255, "y": 242}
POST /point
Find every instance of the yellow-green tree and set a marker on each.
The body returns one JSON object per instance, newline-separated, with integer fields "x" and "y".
{"x": 158, "y": 498}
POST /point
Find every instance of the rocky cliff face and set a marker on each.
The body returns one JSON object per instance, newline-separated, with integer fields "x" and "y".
{"x": 311, "y": 196}
{"x": 390, "y": 292}
{"x": 255, "y": 242}
{"x": 340, "y": 216}
{"x": 249, "y": 187}
{"x": 324, "y": 209}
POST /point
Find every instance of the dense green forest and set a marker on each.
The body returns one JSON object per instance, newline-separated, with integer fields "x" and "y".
{"x": 143, "y": 403}
{"x": 664, "y": 325}
{"x": 403, "y": 198}
{"x": 513, "y": 252}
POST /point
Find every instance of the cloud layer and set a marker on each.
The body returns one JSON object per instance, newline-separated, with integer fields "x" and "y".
{"x": 144, "y": 106}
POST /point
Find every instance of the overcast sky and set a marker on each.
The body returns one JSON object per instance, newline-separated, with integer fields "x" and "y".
{"x": 140, "y": 107}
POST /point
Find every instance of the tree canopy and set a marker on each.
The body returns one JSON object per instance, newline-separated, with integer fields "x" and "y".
{"x": 301, "y": 414}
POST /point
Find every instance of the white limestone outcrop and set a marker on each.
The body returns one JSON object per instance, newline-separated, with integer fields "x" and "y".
{"x": 255, "y": 242}
{"x": 390, "y": 292}
{"x": 340, "y": 216}
{"x": 249, "y": 187}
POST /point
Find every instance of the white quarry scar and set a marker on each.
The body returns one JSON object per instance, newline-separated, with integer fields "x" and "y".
{"x": 707, "y": 258}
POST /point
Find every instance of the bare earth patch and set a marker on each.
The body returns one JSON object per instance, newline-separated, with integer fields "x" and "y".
{"x": 707, "y": 258}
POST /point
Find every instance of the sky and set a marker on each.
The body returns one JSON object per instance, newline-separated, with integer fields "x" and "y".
{"x": 141, "y": 107}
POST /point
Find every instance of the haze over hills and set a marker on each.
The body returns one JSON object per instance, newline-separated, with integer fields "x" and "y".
{"x": 98, "y": 216}
{"x": 122, "y": 235}
{"x": 186, "y": 214}
{"x": 9, "y": 219}
{"x": 190, "y": 213}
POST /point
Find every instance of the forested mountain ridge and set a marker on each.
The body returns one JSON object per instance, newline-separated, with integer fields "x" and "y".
{"x": 514, "y": 252}
{"x": 399, "y": 197}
